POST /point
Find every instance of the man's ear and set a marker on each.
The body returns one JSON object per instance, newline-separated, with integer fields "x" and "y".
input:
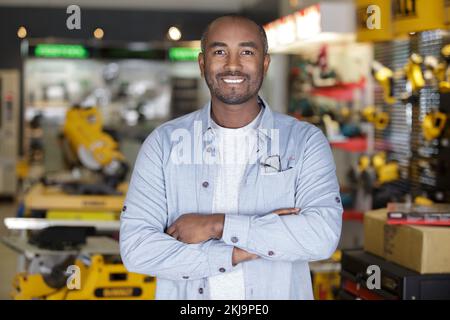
{"x": 201, "y": 64}
{"x": 266, "y": 63}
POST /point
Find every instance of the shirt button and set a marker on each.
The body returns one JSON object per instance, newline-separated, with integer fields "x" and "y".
{"x": 200, "y": 290}
{"x": 205, "y": 184}
{"x": 234, "y": 239}
{"x": 338, "y": 200}
{"x": 185, "y": 277}
{"x": 271, "y": 253}
{"x": 222, "y": 270}
{"x": 124, "y": 208}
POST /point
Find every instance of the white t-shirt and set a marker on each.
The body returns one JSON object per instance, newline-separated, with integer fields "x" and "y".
{"x": 234, "y": 149}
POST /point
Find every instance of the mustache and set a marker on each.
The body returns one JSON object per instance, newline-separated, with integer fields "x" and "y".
{"x": 232, "y": 74}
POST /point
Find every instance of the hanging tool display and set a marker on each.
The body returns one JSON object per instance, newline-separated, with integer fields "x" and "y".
{"x": 385, "y": 78}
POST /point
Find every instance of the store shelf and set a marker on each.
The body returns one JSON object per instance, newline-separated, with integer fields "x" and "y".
{"x": 358, "y": 144}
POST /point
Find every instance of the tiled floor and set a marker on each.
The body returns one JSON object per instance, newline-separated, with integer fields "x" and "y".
{"x": 8, "y": 258}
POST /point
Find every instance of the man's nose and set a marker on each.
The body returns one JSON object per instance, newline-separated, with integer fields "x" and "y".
{"x": 233, "y": 62}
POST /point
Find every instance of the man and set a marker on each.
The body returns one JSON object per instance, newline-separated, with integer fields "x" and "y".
{"x": 211, "y": 227}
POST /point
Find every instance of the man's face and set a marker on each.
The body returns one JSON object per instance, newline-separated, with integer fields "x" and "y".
{"x": 233, "y": 63}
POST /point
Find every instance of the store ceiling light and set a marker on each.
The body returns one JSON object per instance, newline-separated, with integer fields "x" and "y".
{"x": 99, "y": 33}
{"x": 174, "y": 34}
{"x": 22, "y": 32}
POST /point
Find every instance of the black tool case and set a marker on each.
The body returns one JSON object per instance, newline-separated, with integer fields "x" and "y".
{"x": 396, "y": 282}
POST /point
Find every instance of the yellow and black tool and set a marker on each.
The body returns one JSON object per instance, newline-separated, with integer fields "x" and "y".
{"x": 413, "y": 72}
{"x": 433, "y": 124}
{"x": 98, "y": 280}
{"x": 325, "y": 277}
{"x": 434, "y": 69}
{"x": 423, "y": 201}
{"x": 95, "y": 149}
{"x": 438, "y": 71}
{"x": 385, "y": 78}
{"x": 380, "y": 119}
{"x": 376, "y": 170}
{"x": 88, "y": 146}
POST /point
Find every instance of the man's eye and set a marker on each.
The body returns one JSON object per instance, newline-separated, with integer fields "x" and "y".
{"x": 248, "y": 52}
{"x": 219, "y": 52}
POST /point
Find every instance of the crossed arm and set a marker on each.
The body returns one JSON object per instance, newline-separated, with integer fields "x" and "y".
{"x": 195, "y": 228}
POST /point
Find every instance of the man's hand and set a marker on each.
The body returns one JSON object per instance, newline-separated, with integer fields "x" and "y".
{"x": 240, "y": 255}
{"x": 196, "y": 228}
{"x": 286, "y": 211}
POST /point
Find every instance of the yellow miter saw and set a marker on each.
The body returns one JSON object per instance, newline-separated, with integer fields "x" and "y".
{"x": 86, "y": 143}
{"x": 98, "y": 278}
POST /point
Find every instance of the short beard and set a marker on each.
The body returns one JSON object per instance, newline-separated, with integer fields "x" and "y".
{"x": 232, "y": 99}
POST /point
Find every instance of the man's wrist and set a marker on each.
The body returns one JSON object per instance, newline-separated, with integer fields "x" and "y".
{"x": 217, "y": 225}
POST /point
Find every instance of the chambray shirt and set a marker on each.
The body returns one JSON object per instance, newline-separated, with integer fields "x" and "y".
{"x": 171, "y": 177}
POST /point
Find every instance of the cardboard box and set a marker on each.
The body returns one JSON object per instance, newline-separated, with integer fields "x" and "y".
{"x": 419, "y": 248}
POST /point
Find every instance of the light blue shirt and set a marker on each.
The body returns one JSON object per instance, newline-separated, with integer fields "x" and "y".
{"x": 175, "y": 174}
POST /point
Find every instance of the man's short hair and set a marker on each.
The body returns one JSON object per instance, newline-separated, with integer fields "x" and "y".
{"x": 262, "y": 32}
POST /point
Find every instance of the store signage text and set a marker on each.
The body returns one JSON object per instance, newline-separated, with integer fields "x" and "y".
{"x": 405, "y": 8}
{"x": 183, "y": 54}
{"x": 54, "y": 50}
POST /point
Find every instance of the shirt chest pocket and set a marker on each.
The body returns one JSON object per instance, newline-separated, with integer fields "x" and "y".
{"x": 278, "y": 189}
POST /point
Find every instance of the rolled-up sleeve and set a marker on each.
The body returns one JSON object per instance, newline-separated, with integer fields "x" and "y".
{"x": 314, "y": 233}
{"x": 144, "y": 246}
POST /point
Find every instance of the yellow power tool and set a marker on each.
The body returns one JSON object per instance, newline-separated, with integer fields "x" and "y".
{"x": 98, "y": 280}
{"x": 385, "y": 78}
{"x": 92, "y": 147}
{"x": 380, "y": 119}
{"x": 433, "y": 124}
{"x": 413, "y": 72}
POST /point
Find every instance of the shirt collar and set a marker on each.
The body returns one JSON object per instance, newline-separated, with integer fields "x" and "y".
{"x": 266, "y": 123}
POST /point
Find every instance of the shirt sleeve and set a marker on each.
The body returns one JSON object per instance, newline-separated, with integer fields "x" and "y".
{"x": 314, "y": 233}
{"x": 144, "y": 246}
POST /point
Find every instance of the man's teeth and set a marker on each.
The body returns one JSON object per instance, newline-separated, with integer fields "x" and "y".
{"x": 233, "y": 80}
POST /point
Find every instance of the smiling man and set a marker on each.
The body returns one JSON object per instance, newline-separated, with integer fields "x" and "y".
{"x": 263, "y": 202}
